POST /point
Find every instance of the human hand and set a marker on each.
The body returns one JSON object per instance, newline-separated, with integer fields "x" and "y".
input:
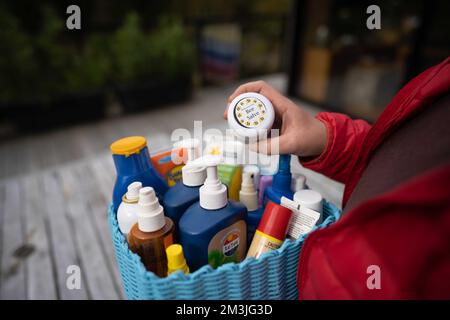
{"x": 300, "y": 133}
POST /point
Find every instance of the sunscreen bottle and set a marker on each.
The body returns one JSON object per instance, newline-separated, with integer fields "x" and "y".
{"x": 183, "y": 194}
{"x": 127, "y": 211}
{"x": 213, "y": 230}
{"x": 152, "y": 234}
{"x": 133, "y": 163}
{"x": 249, "y": 197}
{"x": 176, "y": 260}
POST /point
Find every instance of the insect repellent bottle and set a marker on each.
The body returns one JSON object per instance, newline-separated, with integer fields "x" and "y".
{"x": 133, "y": 163}
{"x": 213, "y": 230}
{"x": 176, "y": 260}
{"x": 127, "y": 211}
{"x": 185, "y": 193}
{"x": 152, "y": 234}
{"x": 249, "y": 197}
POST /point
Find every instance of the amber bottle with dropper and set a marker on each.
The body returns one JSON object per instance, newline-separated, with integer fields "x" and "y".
{"x": 152, "y": 234}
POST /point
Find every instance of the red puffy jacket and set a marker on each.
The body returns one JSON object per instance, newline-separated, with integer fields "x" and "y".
{"x": 404, "y": 232}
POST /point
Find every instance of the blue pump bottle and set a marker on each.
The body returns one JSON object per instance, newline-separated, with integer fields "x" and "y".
{"x": 132, "y": 161}
{"x": 281, "y": 184}
{"x": 213, "y": 230}
{"x": 185, "y": 193}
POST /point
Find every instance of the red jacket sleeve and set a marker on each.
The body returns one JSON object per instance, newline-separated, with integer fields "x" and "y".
{"x": 345, "y": 139}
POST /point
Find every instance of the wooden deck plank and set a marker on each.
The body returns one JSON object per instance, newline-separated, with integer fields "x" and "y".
{"x": 99, "y": 203}
{"x": 13, "y": 279}
{"x": 39, "y": 268}
{"x": 61, "y": 237}
{"x": 93, "y": 263}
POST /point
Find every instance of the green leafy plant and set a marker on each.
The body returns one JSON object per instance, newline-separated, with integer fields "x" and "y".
{"x": 18, "y": 67}
{"x": 166, "y": 53}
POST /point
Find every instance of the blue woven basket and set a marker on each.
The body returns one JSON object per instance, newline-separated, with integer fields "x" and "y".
{"x": 272, "y": 276}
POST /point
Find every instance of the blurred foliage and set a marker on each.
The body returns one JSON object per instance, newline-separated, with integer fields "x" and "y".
{"x": 43, "y": 66}
{"x": 18, "y": 68}
{"x": 165, "y": 54}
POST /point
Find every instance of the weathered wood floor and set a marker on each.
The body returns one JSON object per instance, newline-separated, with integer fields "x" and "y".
{"x": 54, "y": 193}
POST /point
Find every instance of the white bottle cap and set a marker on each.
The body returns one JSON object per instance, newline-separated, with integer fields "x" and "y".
{"x": 150, "y": 212}
{"x": 192, "y": 177}
{"x": 298, "y": 182}
{"x": 251, "y": 115}
{"x": 248, "y": 195}
{"x": 213, "y": 193}
{"x": 310, "y": 199}
{"x": 254, "y": 172}
{"x": 133, "y": 191}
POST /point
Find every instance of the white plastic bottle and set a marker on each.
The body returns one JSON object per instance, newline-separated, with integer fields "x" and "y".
{"x": 127, "y": 211}
{"x": 298, "y": 182}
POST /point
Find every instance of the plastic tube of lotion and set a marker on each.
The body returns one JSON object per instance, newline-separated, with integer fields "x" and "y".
{"x": 302, "y": 220}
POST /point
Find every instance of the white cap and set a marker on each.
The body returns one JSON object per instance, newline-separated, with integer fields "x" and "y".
{"x": 133, "y": 191}
{"x": 150, "y": 212}
{"x": 248, "y": 195}
{"x": 192, "y": 177}
{"x": 310, "y": 199}
{"x": 254, "y": 172}
{"x": 213, "y": 193}
{"x": 251, "y": 114}
{"x": 298, "y": 182}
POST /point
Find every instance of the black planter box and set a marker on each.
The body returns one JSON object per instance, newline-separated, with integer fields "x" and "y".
{"x": 145, "y": 95}
{"x": 69, "y": 109}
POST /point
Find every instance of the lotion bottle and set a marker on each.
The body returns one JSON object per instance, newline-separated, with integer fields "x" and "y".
{"x": 185, "y": 193}
{"x": 213, "y": 230}
{"x": 152, "y": 233}
{"x": 127, "y": 211}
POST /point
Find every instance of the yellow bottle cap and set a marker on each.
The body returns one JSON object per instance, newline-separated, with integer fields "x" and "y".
{"x": 128, "y": 146}
{"x": 175, "y": 259}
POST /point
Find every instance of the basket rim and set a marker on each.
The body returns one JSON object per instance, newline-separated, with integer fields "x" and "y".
{"x": 207, "y": 270}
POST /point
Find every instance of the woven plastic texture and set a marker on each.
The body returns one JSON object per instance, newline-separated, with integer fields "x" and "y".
{"x": 272, "y": 276}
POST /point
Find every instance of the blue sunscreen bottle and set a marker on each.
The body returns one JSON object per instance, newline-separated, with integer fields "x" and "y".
{"x": 213, "y": 230}
{"x": 133, "y": 163}
{"x": 185, "y": 193}
{"x": 281, "y": 184}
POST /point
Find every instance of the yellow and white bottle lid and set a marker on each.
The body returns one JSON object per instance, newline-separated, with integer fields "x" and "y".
{"x": 251, "y": 115}
{"x": 175, "y": 259}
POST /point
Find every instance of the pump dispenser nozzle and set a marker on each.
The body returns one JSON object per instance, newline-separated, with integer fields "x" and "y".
{"x": 192, "y": 177}
{"x": 150, "y": 212}
{"x": 213, "y": 193}
{"x": 133, "y": 191}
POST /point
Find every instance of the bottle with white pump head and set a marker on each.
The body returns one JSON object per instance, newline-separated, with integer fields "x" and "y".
{"x": 213, "y": 230}
{"x": 127, "y": 211}
{"x": 184, "y": 193}
{"x": 152, "y": 233}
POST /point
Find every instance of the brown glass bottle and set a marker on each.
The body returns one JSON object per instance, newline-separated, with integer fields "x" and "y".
{"x": 151, "y": 246}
